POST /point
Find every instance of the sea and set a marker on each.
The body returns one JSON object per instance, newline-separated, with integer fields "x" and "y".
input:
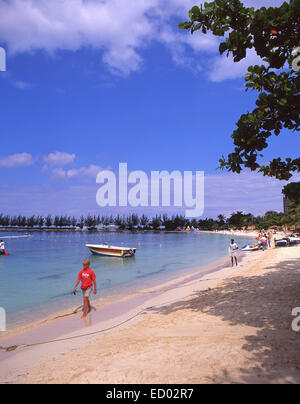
{"x": 38, "y": 277}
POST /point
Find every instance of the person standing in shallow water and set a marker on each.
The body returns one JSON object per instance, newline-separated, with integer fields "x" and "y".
{"x": 233, "y": 252}
{"x": 87, "y": 278}
{"x": 2, "y": 247}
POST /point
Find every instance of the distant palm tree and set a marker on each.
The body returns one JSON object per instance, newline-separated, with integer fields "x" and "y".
{"x": 222, "y": 220}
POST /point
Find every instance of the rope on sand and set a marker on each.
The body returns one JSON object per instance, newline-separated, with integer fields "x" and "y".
{"x": 21, "y": 346}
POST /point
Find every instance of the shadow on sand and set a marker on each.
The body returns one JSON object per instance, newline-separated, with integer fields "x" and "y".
{"x": 264, "y": 302}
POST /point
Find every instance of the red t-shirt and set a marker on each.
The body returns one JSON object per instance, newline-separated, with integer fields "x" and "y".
{"x": 86, "y": 276}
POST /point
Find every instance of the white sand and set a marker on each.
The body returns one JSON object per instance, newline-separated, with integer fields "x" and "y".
{"x": 234, "y": 325}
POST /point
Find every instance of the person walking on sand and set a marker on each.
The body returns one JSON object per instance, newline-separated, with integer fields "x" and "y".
{"x": 233, "y": 252}
{"x": 87, "y": 278}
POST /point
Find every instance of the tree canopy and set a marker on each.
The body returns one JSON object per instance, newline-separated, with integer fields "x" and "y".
{"x": 133, "y": 222}
{"x": 292, "y": 191}
{"x": 274, "y": 34}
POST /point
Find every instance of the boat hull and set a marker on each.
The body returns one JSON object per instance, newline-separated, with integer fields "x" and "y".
{"x": 281, "y": 243}
{"x": 294, "y": 240}
{"x": 107, "y": 251}
{"x": 250, "y": 248}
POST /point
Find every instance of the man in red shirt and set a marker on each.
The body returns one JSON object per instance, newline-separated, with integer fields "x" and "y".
{"x": 87, "y": 278}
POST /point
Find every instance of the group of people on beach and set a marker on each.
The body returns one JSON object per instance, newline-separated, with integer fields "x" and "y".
{"x": 264, "y": 240}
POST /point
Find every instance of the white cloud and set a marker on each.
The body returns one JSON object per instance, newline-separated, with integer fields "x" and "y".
{"x": 224, "y": 68}
{"x": 224, "y": 193}
{"x": 119, "y": 28}
{"x": 248, "y": 191}
{"x": 179, "y": 42}
{"x": 59, "y": 159}
{"x": 59, "y": 173}
{"x": 16, "y": 160}
{"x": 22, "y": 85}
{"x": 81, "y": 173}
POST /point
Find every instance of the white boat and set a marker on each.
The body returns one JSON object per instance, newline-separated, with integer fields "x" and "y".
{"x": 294, "y": 240}
{"x": 249, "y": 247}
{"x": 281, "y": 243}
{"x": 111, "y": 251}
{"x": 26, "y": 235}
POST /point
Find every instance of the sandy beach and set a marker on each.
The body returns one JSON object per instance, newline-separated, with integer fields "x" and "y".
{"x": 227, "y": 326}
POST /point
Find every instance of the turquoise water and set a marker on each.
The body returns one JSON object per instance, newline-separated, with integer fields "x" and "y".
{"x": 39, "y": 275}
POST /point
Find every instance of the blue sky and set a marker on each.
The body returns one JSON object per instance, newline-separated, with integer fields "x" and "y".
{"x": 92, "y": 83}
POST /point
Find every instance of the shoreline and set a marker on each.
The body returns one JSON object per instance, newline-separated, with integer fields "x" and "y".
{"x": 107, "y": 314}
{"x": 65, "y": 324}
{"x": 112, "y": 295}
{"x": 247, "y": 233}
{"x": 234, "y": 327}
{"x": 118, "y": 294}
{"x": 138, "y": 314}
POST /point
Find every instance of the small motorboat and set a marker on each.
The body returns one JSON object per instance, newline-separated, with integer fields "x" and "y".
{"x": 293, "y": 240}
{"x": 281, "y": 243}
{"x": 249, "y": 247}
{"x": 26, "y": 235}
{"x": 111, "y": 251}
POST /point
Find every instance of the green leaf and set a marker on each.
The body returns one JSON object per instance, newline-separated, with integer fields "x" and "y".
{"x": 282, "y": 102}
{"x": 223, "y": 47}
{"x": 208, "y": 10}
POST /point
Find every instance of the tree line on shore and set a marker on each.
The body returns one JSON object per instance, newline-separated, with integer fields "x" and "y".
{"x": 133, "y": 221}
